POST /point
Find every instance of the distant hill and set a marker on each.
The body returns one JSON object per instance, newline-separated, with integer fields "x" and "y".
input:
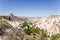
{"x": 12, "y": 17}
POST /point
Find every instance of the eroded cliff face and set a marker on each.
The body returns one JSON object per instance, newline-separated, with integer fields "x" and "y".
{"x": 7, "y": 32}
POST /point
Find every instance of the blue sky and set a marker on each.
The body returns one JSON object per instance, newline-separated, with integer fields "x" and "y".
{"x": 30, "y": 8}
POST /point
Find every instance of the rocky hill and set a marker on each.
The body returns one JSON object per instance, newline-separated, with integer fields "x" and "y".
{"x": 27, "y": 28}
{"x": 12, "y": 17}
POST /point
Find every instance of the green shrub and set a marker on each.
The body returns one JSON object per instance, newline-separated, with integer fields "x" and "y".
{"x": 28, "y": 31}
{"x": 25, "y": 24}
{"x": 55, "y": 37}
